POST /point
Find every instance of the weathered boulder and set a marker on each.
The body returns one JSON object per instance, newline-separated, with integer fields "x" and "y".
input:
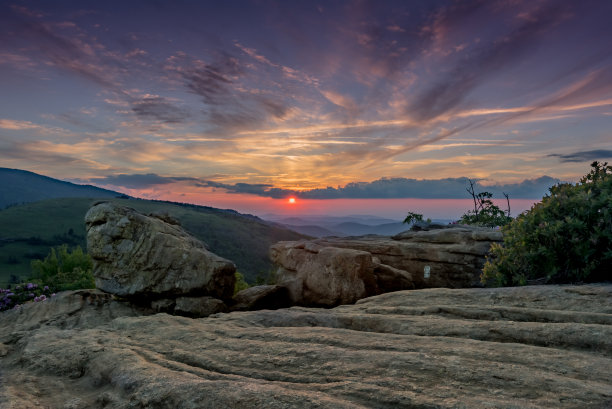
{"x": 323, "y": 276}
{"x": 528, "y": 347}
{"x": 262, "y": 297}
{"x": 146, "y": 257}
{"x": 454, "y": 257}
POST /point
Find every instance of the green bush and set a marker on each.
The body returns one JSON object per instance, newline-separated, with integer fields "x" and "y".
{"x": 240, "y": 283}
{"x": 413, "y": 218}
{"x": 64, "y": 270}
{"x": 565, "y": 238}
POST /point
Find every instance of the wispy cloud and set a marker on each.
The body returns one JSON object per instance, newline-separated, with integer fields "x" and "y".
{"x": 17, "y": 125}
{"x": 157, "y": 108}
{"x": 451, "y": 89}
{"x": 138, "y": 181}
{"x": 583, "y": 156}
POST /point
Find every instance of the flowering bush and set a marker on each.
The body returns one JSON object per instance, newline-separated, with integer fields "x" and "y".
{"x": 61, "y": 270}
{"x": 21, "y": 294}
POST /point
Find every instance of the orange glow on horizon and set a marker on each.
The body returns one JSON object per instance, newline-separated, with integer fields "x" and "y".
{"x": 395, "y": 209}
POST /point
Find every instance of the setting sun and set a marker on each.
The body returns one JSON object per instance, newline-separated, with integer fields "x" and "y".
{"x": 292, "y": 200}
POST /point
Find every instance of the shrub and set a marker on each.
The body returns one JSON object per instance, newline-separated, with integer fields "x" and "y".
{"x": 240, "y": 283}
{"x": 413, "y": 218}
{"x": 565, "y": 238}
{"x": 64, "y": 270}
{"x": 485, "y": 213}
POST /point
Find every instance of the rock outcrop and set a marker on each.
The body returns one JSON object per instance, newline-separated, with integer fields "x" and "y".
{"x": 151, "y": 258}
{"x": 323, "y": 276}
{"x": 530, "y": 347}
{"x": 442, "y": 257}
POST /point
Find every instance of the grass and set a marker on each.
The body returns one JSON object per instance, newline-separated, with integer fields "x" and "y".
{"x": 29, "y": 231}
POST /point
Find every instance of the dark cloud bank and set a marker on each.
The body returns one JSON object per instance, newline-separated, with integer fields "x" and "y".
{"x": 387, "y": 188}
{"x": 584, "y": 155}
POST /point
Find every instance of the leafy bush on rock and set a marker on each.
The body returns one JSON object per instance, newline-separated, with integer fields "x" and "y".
{"x": 565, "y": 238}
{"x": 485, "y": 213}
{"x": 63, "y": 269}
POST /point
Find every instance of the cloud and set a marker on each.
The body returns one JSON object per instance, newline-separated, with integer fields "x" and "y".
{"x": 77, "y": 53}
{"x": 159, "y": 109}
{"x": 18, "y": 61}
{"x": 258, "y": 189}
{"x": 583, "y": 156}
{"x": 42, "y": 155}
{"x": 138, "y": 181}
{"x": 397, "y": 188}
{"x": 527, "y": 189}
{"x": 213, "y": 81}
{"x": 450, "y": 188}
{"x": 230, "y": 102}
{"x": 451, "y": 90}
{"x": 17, "y": 125}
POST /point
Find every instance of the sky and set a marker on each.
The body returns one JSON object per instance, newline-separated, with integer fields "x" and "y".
{"x": 348, "y": 106}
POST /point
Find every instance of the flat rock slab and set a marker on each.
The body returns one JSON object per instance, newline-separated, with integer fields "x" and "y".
{"x": 453, "y": 256}
{"x": 530, "y": 347}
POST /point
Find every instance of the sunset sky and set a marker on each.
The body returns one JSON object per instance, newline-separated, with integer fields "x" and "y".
{"x": 243, "y": 104}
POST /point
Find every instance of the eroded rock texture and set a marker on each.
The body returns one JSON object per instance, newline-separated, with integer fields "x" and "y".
{"x": 531, "y": 347}
{"x": 453, "y": 258}
{"x": 151, "y": 257}
{"x": 323, "y": 276}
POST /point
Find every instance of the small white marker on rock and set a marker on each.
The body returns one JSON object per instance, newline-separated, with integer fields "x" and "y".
{"x": 426, "y": 271}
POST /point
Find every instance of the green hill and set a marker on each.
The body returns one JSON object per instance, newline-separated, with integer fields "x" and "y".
{"x": 20, "y": 186}
{"x": 28, "y": 231}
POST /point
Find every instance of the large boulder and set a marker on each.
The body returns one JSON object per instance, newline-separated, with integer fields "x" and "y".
{"x": 152, "y": 257}
{"x": 323, "y": 276}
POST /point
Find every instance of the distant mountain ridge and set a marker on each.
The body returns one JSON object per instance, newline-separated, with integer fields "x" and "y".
{"x": 343, "y": 226}
{"x": 38, "y": 212}
{"x": 29, "y": 230}
{"x": 22, "y": 186}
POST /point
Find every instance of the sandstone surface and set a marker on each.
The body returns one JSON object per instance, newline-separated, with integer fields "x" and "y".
{"x": 152, "y": 257}
{"x": 530, "y": 347}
